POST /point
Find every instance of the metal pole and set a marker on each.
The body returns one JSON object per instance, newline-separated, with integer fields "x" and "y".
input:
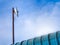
{"x": 12, "y": 25}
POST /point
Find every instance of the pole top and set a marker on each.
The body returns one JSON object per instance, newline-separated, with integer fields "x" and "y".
{"x": 15, "y": 11}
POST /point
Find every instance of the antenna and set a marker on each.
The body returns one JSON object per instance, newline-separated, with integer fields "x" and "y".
{"x": 16, "y": 11}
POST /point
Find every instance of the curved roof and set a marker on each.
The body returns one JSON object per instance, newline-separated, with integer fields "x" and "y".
{"x": 50, "y": 39}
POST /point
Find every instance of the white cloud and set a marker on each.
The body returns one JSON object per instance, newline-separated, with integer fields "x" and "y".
{"x": 37, "y": 26}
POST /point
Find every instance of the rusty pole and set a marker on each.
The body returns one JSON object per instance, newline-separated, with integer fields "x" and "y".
{"x": 12, "y": 25}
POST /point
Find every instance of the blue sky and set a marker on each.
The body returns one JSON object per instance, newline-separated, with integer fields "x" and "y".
{"x": 36, "y": 18}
